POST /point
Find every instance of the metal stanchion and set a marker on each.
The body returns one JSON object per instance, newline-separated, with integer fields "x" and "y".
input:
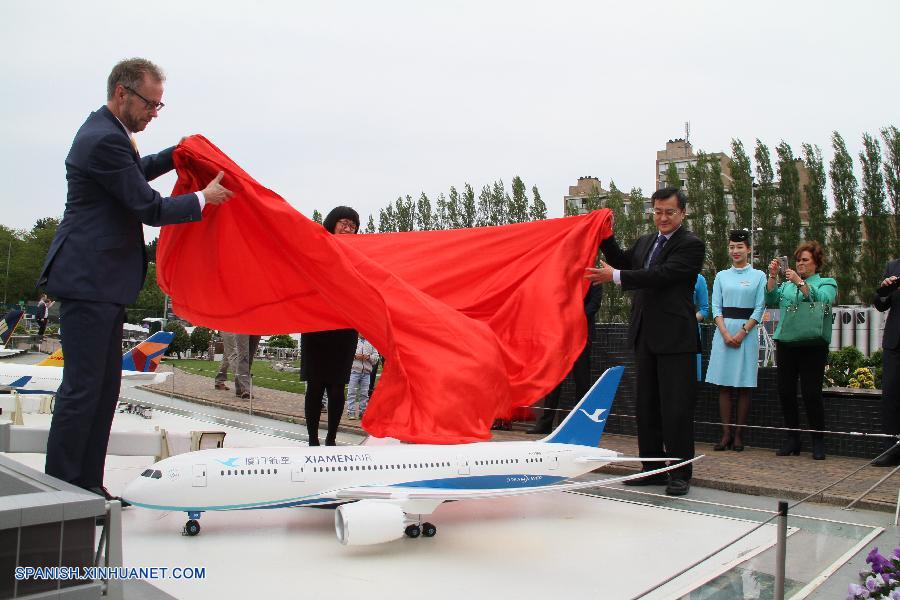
{"x": 781, "y": 549}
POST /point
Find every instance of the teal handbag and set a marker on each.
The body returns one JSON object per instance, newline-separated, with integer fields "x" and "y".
{"x": 806, "y": 322}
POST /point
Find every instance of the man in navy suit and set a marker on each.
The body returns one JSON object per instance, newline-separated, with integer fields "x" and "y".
{"x": 661, "y": 268}
{"x": 888, "y": 298}
{"x": 97, "y": 263}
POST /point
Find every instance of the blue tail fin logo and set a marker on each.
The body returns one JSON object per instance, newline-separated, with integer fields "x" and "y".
{"x": 145, "y": 356}
{"x": 584, "y": 425}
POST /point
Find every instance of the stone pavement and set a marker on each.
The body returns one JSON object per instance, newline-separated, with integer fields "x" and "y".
{"x": 754, "y": 471}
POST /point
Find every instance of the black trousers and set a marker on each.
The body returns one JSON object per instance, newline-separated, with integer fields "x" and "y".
{"x": 42, "y": 326}
{"x": 315, "y": 391}
{"x": 890, "y": 393}
{"x": 86, "y": 401}
{"x": 666, "y": 396}
{"x": 581, "y": 373}
{"x": 808, "y": 364}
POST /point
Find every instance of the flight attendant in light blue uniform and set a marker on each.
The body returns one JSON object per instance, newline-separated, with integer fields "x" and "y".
{"x": 738, "y": 302}
{"x": 701, "y": 305}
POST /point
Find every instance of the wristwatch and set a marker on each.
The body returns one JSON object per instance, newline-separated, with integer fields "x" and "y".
{"x": 744, "y": 328}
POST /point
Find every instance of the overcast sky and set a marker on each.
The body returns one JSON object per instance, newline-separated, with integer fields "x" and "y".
{"x": 359, "y": 102}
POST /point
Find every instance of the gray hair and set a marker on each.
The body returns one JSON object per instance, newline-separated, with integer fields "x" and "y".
{"x": 130, "y": 73}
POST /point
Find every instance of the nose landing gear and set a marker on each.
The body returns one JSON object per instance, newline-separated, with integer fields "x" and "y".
{"x": 192, "y": 527}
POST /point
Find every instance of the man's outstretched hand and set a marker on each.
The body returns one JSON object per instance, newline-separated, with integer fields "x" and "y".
{"x": 215, "y": 192}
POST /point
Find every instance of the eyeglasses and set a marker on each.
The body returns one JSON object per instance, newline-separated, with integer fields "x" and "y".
{"x": 669, "y": 212}
{"x": 151, "y": 105}
{"x": 347, "y": 224}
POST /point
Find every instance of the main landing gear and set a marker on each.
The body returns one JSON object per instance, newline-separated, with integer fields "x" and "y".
{"x": 192, "y": 527}
{"x": 425, "y": 530}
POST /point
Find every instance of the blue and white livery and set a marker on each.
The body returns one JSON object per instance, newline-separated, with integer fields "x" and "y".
{"x": 383, "y": 490}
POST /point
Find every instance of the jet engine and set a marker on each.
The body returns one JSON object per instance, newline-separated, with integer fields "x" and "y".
{"x": 369, "y": 522}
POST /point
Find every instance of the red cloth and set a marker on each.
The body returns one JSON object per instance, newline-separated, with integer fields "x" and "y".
{"x": 471, "y": 322}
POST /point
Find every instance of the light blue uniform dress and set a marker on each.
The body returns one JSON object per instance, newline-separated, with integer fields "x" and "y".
{"x": 736, "y": 288}
{"x": 701, "y": 305}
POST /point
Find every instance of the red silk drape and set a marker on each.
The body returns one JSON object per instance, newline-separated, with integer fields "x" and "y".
{"x": 472, "y": 322}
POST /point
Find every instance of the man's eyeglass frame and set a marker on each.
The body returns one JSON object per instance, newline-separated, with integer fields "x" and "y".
{"x": 151, "y": 105}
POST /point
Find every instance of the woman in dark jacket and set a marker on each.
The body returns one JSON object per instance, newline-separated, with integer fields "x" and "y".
{"x": 326, "y": 357}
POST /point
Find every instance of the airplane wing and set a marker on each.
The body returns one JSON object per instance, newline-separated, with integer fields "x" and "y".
{"x": 438, "y": 495}
{"x": 132, "y": 378}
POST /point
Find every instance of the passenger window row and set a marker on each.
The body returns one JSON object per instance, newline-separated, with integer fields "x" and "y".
{"x": 379, "y": 467}
{"x": 251, "y": 472}
{"x": 505, "y": 461}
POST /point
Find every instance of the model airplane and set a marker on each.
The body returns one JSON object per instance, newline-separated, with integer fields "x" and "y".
{"x": 382, "y": 491}
{"x": 138, "y": 368}
{"x": 7, "y": 327}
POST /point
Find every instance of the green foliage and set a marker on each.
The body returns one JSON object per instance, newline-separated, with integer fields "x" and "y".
{"x": 891, "y": 137}
{"x": 815, "y": 195}
{"x": 370, "y": 226}
{"x": 845, "y": 235}
{"x": 282, "y": 341}
{"x": 788, "y": 200}
{"x": 614, "y": 308}
{"x": 424, "y": 219}
{"x": 673, "y": 179}
{"x": 765, "y": 214}
{"x": 638, "y": 222}
{"x": 518, "y": 204}
{"x": 317, "y": 217}
{"x": 845, "y": 365}
{"x": 718, "y": 224}
{"x": 468, "y": 214}
{"x": 877, "y": 247}
{"x": 697, "y": 195}
{"x": 441, "y": 217}
{"x": 741, "y": 187}
{"x": 404, "y": 213}
{"x": 150, "y": 299}
{"x": 386, "y": 219}
{"x": 200, "y": 338}
{"x": 454, "y": 209}
{"x": 181, "y": 342}
{"x": 24, "y": 252}
{"x": 264, "y": 376}
{"x": 538, "y": 210}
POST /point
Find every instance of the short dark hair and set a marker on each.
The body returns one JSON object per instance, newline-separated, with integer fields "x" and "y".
{"x": 337, "y": 213}
{"x": 666, "y": 193}
{"x": 130, "y": 73}
{"x": 814, "y": 248}
{"x": 739, "y": 236}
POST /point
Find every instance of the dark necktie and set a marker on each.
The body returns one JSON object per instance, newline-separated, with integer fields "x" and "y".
{"x": 660, "y": 242}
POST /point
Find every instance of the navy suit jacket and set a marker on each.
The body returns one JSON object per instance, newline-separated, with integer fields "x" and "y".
{"x": 662, "y": 310}
{"x": 98, "y": 252}
{"x": 891, "y": 340}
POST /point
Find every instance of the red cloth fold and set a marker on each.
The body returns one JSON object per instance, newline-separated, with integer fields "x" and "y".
{"x": 471, "y": 322}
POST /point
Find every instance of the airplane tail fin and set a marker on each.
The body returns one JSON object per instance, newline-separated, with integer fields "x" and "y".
{"x": 54, "y": 360}
{"x": 9, "y": 324}
{"x": 584, "y": 425}
{"x": 145, "y": 356}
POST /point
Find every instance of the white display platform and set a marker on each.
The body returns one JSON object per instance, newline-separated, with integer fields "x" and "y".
{"x": 540, "y": 546}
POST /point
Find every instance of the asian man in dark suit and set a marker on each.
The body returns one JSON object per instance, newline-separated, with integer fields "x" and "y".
{"x": 661, "y": 269}
{"x": 97, "y": 263}
{"x": 888, "y": 298}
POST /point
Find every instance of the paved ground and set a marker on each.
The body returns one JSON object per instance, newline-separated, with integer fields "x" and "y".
{"x": 754, "y": 471}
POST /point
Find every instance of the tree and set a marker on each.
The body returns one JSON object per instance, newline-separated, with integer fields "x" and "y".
{"x": 891, "y": 138}
{"x": 424, "y": 219}
{"x": 181, "y": 342}
{"x": 317, "y": 217}
{"x": 614, "y": 308}
{"x": 638, "y": 223}
{"x": 404, "y": 213}
{"x": 718, "y": 222}
{"x": 499, "y": 202}
{"x": 151, "y": 250}
{"x": 518, "y": 205}
{"x": 485, "y": 214}
{"x": 789, "y": 200}
{"x": 282, "y": 340}
{"x": 200, "y": 338}
{"x": 741, "y": 186}
{"x": 697, "y": 190}
{"x": 673, "y": 179}
{"x": 845, "y": 235}
{"x": 441, "y": 216}
{"x": 877, "y": 247}
{"x": 592, "y": 202}
{"x": 538, "y": 210}
{"x": 387, "y": 221}
{"x": 766, "y": 216}
{"x": 469, "y": 212}
{"x": 150, "y": 299}
{"x": 817, "y": 206}
{"x": 454, "y": 210}
{"x": 370, "y": 226}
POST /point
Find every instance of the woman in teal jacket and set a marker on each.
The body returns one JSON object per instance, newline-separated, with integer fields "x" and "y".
{"x": 805, "y": 360}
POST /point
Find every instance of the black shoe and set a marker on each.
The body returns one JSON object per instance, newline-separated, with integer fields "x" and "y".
{"x": 658, "y": 479}
{"x": 102, "y": 491}
{"x": 818, "y": 449}
{"x": 791, "y": 445}
{"x": 738, "y": 448}
{"x": 723, "y": 446}
{"x": 678, "y": 487}
{"x": 313, "y": 441}
{"x": 890, "y": 459}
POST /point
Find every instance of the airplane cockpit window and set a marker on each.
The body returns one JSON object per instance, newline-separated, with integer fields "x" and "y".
{"x": 147, "y": 473}
{"x": 156, "y": 475}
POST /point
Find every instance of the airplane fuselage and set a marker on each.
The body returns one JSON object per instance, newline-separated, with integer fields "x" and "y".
{"x": 251, "y": 478}
{"x": 34, "y": 379}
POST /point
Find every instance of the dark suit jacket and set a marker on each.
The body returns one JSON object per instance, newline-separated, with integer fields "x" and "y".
{"x": 662, "y": 309}
{"x": 98, "y": 253}
{"x": 891, "y": 339}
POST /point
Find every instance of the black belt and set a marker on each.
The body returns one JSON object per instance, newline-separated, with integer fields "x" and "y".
{"x": 734, "y": 312}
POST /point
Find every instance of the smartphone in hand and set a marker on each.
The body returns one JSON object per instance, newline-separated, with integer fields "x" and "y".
{"x": 782, "y": 264}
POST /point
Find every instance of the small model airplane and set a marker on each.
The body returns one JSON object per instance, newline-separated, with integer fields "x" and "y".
{"x": 383, "y": 491}
{"x": 7, "y": 327}
{"x": 138, "y": 368}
